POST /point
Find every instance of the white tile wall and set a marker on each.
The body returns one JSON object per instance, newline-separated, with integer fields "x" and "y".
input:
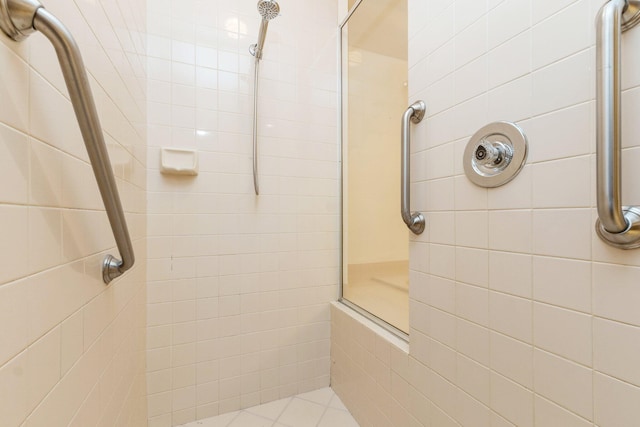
{"x": 239, "y": 285}
{"x": 544, "y": 315}
{"x": 72, "y": 348}
{"x": 371, "y": 372}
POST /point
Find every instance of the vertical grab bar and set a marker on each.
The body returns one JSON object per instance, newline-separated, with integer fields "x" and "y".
{"x": 414, "y": 220}
{"x": 18, "y": 19}
{"x": 617, "y": 225}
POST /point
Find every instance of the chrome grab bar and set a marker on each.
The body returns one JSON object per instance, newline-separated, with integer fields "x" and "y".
{"x": 18, "y": 19}
{"x": 414, "y": 220}
{"x": 617, "y": 225}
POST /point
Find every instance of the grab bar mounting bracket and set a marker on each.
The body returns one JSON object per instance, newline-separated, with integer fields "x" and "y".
{"x": 631, "y": 15}
{"x": 16, "y": 18}
{"x": 627, "y": 239}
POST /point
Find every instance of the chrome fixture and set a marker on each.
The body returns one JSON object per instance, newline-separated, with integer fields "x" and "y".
{"x": 617, "y": 225}
{"x": 495, "y": 154}
{"x": 268, "y": 9}
{"x": 414, "y": 220}
{"x": 18, "y": 19}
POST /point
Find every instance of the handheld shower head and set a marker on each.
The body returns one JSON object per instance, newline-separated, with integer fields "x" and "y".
{"x": 268, "y": 9}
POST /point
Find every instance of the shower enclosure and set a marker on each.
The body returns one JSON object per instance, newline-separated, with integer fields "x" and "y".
{"x": 374, "y": 96}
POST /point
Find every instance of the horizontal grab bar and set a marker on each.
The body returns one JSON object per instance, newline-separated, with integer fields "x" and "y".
{"x": 18, "y": 19}
{"x": 414, "y": 220}
{"x": 617, "y": 225}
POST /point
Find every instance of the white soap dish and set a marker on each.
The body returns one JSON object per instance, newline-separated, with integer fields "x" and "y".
{"x": 178, "y": 161}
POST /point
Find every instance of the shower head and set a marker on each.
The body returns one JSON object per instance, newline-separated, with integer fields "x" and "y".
{"x": 268, "y": 9}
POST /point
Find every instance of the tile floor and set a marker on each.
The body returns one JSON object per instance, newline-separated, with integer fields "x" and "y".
{"x": 320, "y": 408}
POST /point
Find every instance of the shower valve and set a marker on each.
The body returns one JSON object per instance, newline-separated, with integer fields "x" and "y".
{"x": 489, "y": 153}
{"x": 495, "y": 154}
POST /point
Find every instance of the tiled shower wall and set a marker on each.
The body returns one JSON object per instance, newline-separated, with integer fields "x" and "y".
{"x": 239, "y": 284}
{"x": 520, "y": 315}
{"x": 72, "y": 349}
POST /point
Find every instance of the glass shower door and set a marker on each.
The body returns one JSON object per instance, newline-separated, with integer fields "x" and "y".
{"x": 374, "y": 97}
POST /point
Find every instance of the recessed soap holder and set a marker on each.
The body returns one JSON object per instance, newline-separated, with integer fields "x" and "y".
{"x": 495, "y": 154}
{"x": 178, "y": 161}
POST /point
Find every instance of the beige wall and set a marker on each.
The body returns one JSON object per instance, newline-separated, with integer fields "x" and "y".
{"x": 239, "y": 285}
{"x": 520, "y": 315}
{"x": 377, "y": 98}
{"x": 72, "y": 348}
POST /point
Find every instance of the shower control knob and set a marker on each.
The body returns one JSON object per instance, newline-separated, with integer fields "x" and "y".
{"x": 481, "y": 151}
{"x": 492, "y": 154}
{"x": 495, "y": 154}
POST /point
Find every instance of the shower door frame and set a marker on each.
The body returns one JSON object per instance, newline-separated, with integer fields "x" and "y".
{"x": 343, "y": 169}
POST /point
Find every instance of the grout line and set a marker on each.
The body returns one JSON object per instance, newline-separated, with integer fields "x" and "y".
{"x": 283, "y": 410}
{"x": 323, "y": 414}
{"x": 277, "y": 420}
{"x": 234, "y": 418}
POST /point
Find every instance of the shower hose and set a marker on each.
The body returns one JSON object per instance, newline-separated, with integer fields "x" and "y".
{"x": 256, "y": 186}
